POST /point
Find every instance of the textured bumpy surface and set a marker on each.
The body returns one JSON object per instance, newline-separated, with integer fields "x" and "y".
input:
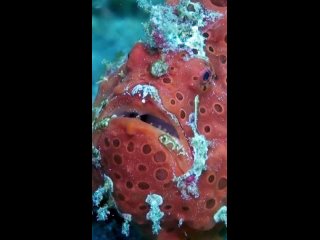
{"x": 159, "y": 132}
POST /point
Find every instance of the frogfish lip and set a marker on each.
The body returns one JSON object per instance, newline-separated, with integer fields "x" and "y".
{"x": 148, "y": 114}
{"x": 146, "y": 117}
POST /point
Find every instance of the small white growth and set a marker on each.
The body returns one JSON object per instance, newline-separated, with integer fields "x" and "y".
{"x": 221, "y": 215}
{"x": 199, "y": 143}
{"x": 172, "y": 116}
{"x": 102, "y": 213}
{"x": 126, "y": 89}
{"x": 96, "y": 157}
{"x": 187, "y": 189}
{"x": 103, "y": 123}
{"x": 121, "y": 74}
{"x": 146, "y": 90}
{"x": 103, "y": 191}
{"x": 97, "y": 110}
{"x": 108, "y": 184}
{"x": 200, "y": 148}
{"x": 180, "y": 222}
{"x": 125, "y": 226}
{"x": 155, "y": 214}
{"x": 159, "y": 68}
{"x": 98, "y": 196}
{"x": 102, "y": 79}
{"x": 200, "y": 155}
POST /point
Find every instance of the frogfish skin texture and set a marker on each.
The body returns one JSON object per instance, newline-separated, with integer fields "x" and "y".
{"x": 144, "y": 133}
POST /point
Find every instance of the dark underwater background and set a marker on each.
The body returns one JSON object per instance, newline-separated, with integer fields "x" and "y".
{"x": 116, "y": 27}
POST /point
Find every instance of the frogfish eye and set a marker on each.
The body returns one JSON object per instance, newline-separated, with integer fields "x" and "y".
{"x": 206, "y": 75}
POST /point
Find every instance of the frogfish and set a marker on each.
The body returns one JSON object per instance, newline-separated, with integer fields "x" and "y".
{"x": 159, "y": 127}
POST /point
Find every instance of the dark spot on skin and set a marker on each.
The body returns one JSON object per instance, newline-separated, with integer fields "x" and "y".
{"x": 143, "y": 185}
{"x": 179, "y": 96}
{"x": 185, "y": 208}
{"x": 223, "y": 59}
{"x": 146, "y": 149}
{"x": 106, "y": 142}
{"x": 218, "y": 108}
{"x": 142, "y": 167}
{"x": 222, "y": 183}
{"x": 143, "y": 207}
{"x": 130, "y": 147}
{"x": 211, "y": 178}
{"x": 129, "y": 185}
{"x": 182, "y": 114}
{"x": 166, "y": 80}
{"x": 121, "y": 197}
{"x": 117, "y": 176}
{"x": 168, "y": 207}
{"x": 159, "y": 157}
{"x": 167, "y": 185}
{"x": 210, "y": 203}
{"x": 116, "y": 142}
{"x": 161, "y": 174}
{"x": 117, "y": 159}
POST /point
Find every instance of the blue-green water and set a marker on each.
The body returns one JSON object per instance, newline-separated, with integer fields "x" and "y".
{"x": 116, "y": 27}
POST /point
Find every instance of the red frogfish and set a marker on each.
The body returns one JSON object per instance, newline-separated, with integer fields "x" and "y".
{"x": 159, "y": 127}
